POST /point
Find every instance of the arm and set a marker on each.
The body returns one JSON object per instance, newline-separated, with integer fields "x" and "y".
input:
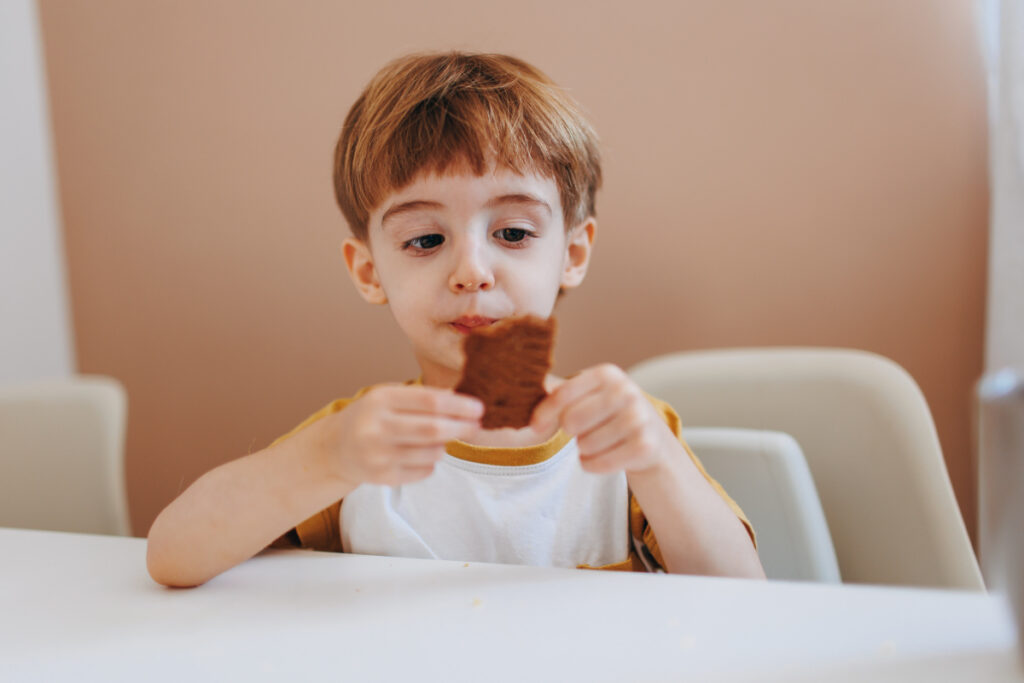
{"x": 392, "y": 435}
{"x": 697, "y": 532}
{"x": 618, "y": 429}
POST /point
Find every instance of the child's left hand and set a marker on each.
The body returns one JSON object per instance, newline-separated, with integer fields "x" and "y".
{"x": 616, "y": 427}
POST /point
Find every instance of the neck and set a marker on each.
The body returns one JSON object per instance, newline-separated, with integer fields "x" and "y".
{"x": 439, "y": 377}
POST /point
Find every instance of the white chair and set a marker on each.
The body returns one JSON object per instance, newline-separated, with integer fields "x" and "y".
{"x": 869, "y": 440}
{"x": 62, "y": 455}
{"x": 1000, "y": 441}
{"x": 766, "y": 474}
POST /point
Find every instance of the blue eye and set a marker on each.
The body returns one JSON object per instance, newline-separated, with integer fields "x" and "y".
{"x": 513, "y": 234}
{"x": 424, "y": 242}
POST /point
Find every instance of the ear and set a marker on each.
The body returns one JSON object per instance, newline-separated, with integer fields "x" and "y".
{"x": 363, "y": 272}
{"x": 577, "y": 253}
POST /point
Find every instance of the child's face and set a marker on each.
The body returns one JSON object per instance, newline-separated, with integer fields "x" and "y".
{"x": 451, "y": 252}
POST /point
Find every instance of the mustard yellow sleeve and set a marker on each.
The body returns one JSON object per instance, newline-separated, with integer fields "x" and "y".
{"x": 321, "y": 531}
{"x": 638, "y": 525}
{"x": 329, "y": 409}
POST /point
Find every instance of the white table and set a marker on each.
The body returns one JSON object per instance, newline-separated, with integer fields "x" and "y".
{"x": 79, "y": 607}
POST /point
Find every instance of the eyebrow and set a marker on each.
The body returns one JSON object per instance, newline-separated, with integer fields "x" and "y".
{"x": 406, "y": 207}
{"x": 422, "y": 204}
{"x": 528, "y": 199}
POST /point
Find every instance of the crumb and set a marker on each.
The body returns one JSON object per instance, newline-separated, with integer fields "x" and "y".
{"x": 477, "y": 602}
{"x": 466, "y": 565}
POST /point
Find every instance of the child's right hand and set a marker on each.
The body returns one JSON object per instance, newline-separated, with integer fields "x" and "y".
{"x": 395, "y": 434}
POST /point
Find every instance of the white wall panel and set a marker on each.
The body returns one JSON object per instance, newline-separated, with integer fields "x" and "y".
{"x": 35, "y": 329}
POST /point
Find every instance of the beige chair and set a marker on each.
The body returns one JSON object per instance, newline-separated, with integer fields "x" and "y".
{"x": 766, "y": 473}
{"x": 1000, "y": 440}
{"x": 61, "y": 455}
{"x": 867, "y": 435}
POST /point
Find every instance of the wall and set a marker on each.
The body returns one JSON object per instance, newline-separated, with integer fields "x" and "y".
{"x": 777, "y": 173}
{"x": 35, "y": 332}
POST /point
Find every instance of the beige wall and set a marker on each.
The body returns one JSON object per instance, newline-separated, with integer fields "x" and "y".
{"x": 788, "y": 172}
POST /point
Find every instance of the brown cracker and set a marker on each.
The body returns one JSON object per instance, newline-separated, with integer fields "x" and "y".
{"x": 506, "y": 364}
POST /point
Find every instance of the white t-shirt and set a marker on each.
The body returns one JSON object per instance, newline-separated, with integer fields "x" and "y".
{"x": 550, "y": 513}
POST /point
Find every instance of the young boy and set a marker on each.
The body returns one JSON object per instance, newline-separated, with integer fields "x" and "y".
{"x": 468, "y": 182}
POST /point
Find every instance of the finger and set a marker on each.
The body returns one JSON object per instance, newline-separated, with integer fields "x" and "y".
{"x": 614, "y": 459}
{"x": 607, "y": 435}
{"x": 414, "y": 429}
{"x": 435, "y": 401}
{"x": 416, "y": 457}
{"x": 637, "y": 449}
{"x": 593, "y": 411}
{"x": 548, "y": 412}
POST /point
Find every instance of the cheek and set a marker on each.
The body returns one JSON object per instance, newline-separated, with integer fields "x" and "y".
{"x": 407, "y": 301}
{"x": 398, "y": 282}
{"x": 405, "y": 295}
{"x": 540, "y": 289}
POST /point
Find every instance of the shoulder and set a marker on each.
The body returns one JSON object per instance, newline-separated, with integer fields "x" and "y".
{"x": 334, "y": 406}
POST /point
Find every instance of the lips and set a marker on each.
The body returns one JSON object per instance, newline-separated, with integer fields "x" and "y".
{"x": 466, "y": 323}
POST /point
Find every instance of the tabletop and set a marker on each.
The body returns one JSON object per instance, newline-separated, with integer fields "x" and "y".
{"x": 83, "y": 607}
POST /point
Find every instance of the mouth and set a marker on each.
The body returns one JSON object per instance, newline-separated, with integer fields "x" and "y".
{"x": 466, "y": 323}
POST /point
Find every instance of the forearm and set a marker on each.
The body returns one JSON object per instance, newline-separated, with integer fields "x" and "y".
{"x": 697, "y": 531}
{"x": 236, "y": 510}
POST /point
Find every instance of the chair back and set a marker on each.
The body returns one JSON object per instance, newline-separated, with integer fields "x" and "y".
{"x": 62, "y": 455}
{"x": 868, "y": 438}
{"x": 1000, "y": 441}
{"x": 766, "y": 474}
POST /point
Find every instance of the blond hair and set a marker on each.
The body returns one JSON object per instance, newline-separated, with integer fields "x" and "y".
{"x": 428, "y": 112}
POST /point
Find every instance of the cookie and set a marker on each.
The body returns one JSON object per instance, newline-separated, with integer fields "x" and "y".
{"x": 506, "y": 364}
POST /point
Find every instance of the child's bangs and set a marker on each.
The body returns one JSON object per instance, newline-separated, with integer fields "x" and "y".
{"x": 463, "y": 133}
{"x": 454, "y": 112}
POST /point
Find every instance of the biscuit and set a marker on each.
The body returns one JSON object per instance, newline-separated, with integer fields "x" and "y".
{"x": 505, "y": 367}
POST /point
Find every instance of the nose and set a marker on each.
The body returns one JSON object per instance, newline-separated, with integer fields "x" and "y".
{"x": 471, "y": 271}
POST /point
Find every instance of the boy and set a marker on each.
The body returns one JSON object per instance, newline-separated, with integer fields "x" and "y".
{"x": 468, "y": 182}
